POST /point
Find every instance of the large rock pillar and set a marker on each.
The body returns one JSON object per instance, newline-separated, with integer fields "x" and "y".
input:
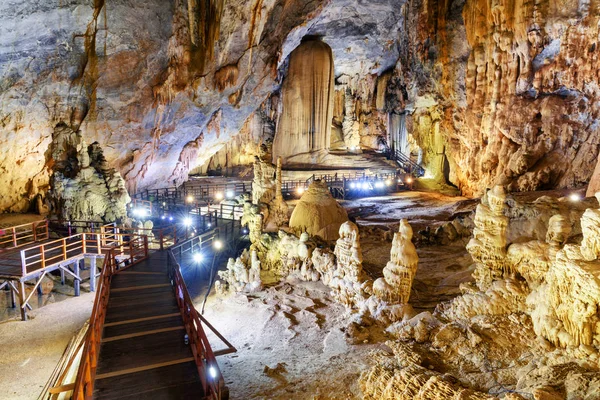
{"x": 307, "y": 110}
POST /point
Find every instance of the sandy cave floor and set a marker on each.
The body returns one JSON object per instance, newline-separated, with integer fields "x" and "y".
{"x": 290, "y": 337}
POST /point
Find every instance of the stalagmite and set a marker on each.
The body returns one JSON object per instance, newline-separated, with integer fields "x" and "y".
{"x": 488, "y": 245}
{"x": 318, "y": 213}
{"x": 400, "y": 271}
{"x": 307, "y": 93}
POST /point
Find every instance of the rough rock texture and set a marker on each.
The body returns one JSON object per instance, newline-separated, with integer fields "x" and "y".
{"x": 480, "y": 94}
{"x": 307, "y": 103}
{"x": 556, "y": 286}
{"x": 400, "y": 271}
{"x": 512, "y": 88}
{"x": 83, "y": 187}
{"x": 318, "y": 213}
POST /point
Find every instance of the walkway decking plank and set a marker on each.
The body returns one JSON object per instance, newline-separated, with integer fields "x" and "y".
{"x": 179, "y": 381}
{"x": 132, "y": 361}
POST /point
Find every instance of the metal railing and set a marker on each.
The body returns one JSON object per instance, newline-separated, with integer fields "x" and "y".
{"x": 21, "y": 235}
{"x": 208, "y": 368}
{"x": 116, "y": 259}
{"x": 408, "y": 165}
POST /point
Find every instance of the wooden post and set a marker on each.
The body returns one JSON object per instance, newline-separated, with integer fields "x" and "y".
{"x": 93, "y": 274}
{"x": 33, "y": 230}
{"x": 23, "y": 263}
{"x": 22, "y": 301}
{"x": 83, "y": 243}
{"x": 146, "y": 246}
{"x": 161, "y": 240}
{"x": 39, "y": 287}
{"x": 131, "y": 251}
{"x": 14, "y": 236}
{"x": 76, "y": 280}
{"x": 13, "y": 302}
{"x": 43, "y": 256}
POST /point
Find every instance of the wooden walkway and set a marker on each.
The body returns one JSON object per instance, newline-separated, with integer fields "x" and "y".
{"x": 143, "y": 353}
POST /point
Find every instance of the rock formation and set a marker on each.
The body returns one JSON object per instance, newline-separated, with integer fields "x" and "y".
{"x": 488, "y": 245}
{"x": 402, "y": 376}
{"x": 318, "y": 213}
{"x": 266, "y": 193}
{"x": 307, "y": 103}
{"x": 84, "y": 188}
{"x": 348, "y": 282}
{"x": 242, "y": 274}
{"x": 398, "y": 274}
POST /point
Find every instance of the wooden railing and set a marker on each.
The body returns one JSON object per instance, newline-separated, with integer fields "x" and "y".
{"x": 158, "y": 238}
{"x": 70, "y": 228}
{"x": 208, "y": 368}
{"x": 408, "y": 165}
{"x": 141, "y": 208}
{"x": 39, "y": 257}
{"x": 222, "y": 211}
{"x": 21, "y": 235}
{"x": 116, "y": 259}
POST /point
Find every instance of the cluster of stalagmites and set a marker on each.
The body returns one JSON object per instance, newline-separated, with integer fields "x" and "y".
{"x": 84, "y": 188}
{"x": 306, "y": 254}
{"x": 557, "y": 284}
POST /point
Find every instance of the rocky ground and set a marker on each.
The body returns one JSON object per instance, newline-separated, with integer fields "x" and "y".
{"x": 292, "y": 338}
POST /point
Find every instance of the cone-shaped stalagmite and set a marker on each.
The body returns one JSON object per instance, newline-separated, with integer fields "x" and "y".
{"x": 305, "y": 122}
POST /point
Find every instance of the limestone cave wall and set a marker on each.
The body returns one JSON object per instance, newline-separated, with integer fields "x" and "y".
{"x": 489, "y": 92}
{"x": 512, "y": 88}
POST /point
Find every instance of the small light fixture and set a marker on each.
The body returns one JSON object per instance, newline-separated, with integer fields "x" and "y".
{"x": 388, "y": 182}
{"x": 198, "y": 257}
{"x": 164, "y": 204}
{"x": 364, "y": 186}
{"x": 190, "y": 199}
{"x": 139, "y": 212}
{"x": 187, "y": 221}
{"x": 300, "y": 190}
{"x": 409, "y": 179}
{"x": 170, "y": 218}
{"x": 218, "y": 245}
{"x": 219, "y": 196}
{"x": 574, "y": 197}
{"x": 379, "y": 185}
{"x": 212, "y": 371}
{"x": 229, "y": 194}
{"x": 352, "y": 185}
{"x": 209, "y": 224}
{"x": 163, "y": 217}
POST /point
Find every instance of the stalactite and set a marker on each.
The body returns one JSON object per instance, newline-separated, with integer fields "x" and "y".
{"x": 204, "y": 22}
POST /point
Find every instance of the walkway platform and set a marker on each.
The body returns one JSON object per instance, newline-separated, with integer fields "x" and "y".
{"x": 143, "y": 353}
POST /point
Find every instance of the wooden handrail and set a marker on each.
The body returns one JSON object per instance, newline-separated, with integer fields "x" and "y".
{"x": 206, "y": 362}
{"x": 86, "y": 373}
{"x": 38, "y": 257}
{"x": 25, "y": 233}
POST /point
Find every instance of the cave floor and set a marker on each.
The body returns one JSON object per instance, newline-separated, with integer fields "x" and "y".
{"x": 292, "y": 337}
